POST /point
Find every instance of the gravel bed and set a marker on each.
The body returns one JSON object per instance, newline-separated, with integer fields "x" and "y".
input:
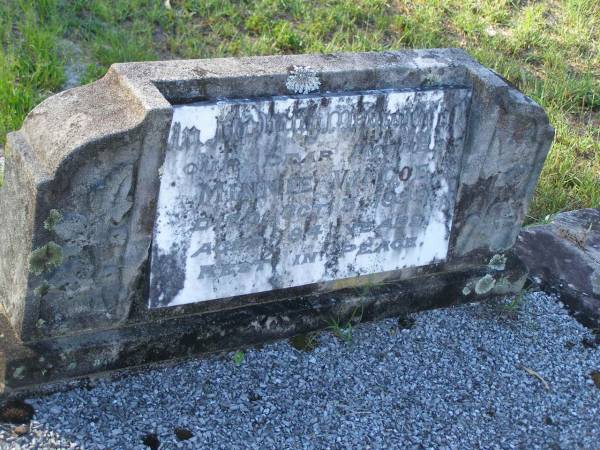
{"x": 467, "y": 377}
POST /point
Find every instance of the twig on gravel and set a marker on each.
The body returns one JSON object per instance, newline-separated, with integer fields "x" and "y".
{"x": 533, "y": 373}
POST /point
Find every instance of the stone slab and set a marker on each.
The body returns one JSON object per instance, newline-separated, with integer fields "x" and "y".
{"x": 564, "y": 256}
{"x": 267, "y": 194}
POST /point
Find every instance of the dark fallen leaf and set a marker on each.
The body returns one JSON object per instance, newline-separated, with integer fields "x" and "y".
{"x": 406, "y": 322}
{"x": 183, "y": 434}
{"x": 589, "y": 343}
{"x": 254, "y": 397}
{"x": 151, "y": 440}
{"x": 16, "y": 411}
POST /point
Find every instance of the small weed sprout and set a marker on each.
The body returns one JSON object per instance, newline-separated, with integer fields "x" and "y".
{"x": 345, "y": 331}
{"x": 42, "y": 290}
{"x": 548, "y": 218}
{"x": 512, "y": 307}
{"x": 515, "y": 304}
{"x": 342, "y": 332}
{"x": 238, "y": 357}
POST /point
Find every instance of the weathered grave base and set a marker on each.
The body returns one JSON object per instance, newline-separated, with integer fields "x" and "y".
{"x": 564, "y": 257}
{"x": 49, "y": 364}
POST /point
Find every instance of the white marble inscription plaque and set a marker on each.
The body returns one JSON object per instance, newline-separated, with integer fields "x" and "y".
{"x": 272, "y": 193}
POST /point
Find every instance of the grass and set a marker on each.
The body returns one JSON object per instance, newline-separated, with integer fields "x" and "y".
{"x": 344, "y": 329}
{"x": 512, "y": 307}
{"x": 550, "y": 49}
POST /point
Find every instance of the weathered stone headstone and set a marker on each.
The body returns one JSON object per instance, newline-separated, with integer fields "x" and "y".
{"x": 179, "y": 207}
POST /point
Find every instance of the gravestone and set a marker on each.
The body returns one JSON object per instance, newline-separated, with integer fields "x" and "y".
{"x": 180, "y": 207}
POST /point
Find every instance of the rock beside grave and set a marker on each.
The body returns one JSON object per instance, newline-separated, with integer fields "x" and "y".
{"x": 564, "y": 256}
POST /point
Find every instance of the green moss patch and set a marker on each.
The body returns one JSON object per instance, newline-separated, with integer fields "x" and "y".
{"x": 42, "y": 290}
{"x": 45, "y": 259}
{"x": 54, "y": 217}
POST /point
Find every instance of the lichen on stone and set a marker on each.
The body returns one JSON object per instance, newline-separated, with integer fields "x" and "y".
{"x": 502, "y": 283}
{"x": 485, "y": 284}
{"x": 42, "y": 289}
{"x": 19, "y": 373}
{"x": 54, "y": 217}
{"x": 431, "y": 79}
{"x": 46, "y": 258}
{"x": 498, "y": 262}
{"x": 302, "y": 80}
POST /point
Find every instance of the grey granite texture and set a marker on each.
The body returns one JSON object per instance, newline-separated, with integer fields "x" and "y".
{"x": 564, "y": 256}
{"x": 93, "y": 153}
